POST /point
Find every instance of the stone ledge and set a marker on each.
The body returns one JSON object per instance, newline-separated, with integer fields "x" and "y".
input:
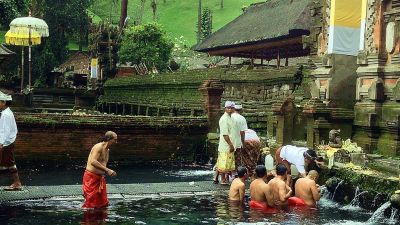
{"x": 114, "y": 190}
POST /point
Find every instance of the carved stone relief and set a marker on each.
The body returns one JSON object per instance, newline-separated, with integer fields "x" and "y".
{"x": 390, "y": 37}
{"x": 370, "y": 20}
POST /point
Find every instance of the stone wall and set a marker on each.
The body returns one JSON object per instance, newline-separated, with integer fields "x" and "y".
{"x": 177, "y": 94}
{"x": 68, "y": 139}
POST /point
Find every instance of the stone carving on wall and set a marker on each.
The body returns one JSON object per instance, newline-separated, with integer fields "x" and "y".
{"x": 396, "y": 91}
{"x": 327, "y": 21}
{"x": 390, "y": 37}
{"x": 376, "y": 90}
{"x": 370, "y": 23}
{"x": 335, "y": 141}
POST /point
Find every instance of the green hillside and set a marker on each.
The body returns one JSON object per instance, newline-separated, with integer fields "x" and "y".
{"x": 179, "y": 17}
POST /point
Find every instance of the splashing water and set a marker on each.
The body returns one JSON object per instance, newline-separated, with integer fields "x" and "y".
{"x": 393, "y": 216}
{"x": 355, "y": 203}
{"x": 334, "y": 193}
{"x": 378, "y": 214}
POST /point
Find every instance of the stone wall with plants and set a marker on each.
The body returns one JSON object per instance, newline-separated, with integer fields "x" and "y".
{"x": 176, "y": 94}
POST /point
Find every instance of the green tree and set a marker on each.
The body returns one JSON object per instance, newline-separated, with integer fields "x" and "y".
{"x": 10, "y": 9}
{"x": 64, "y": 18}
{"x": 147, "y": 44}
{"x": 206, "y": 23}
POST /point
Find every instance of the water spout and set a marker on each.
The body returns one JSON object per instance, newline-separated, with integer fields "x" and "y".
{"x": 356, "y": 199}
{"x": 379, "y": 213}
{"x": 393, "y": 216}
{"x": 334, "y": 193}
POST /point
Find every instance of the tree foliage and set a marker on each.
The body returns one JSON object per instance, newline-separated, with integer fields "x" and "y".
{"x": 64, "y": 18}
{"x": 147, "y": 44}
{"x": 10, "y": 9}
{"x": 205, "y": 24}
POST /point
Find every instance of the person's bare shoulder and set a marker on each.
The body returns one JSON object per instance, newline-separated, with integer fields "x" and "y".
{"x": 311, "y": 182}
{"x": 97, "y": 147}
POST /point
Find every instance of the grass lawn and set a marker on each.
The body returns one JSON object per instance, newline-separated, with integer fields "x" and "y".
{"x": 179, "y": 17}
{"x": 2, "y": 38}
{"x": 75, "y": 46}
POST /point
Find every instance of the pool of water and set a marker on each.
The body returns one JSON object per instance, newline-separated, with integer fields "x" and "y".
{"x": 200, "y": 209}
{"x": 206, "y": 208}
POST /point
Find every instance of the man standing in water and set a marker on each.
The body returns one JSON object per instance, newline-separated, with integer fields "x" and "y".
{"x": 8, "y": 134}
{"x": 94, "y": 183}
{"x": 280, "y": 190}
{"x": 237, "y": 190}
{"x": 307, "y": 189}
{"x": 226, "y": 157}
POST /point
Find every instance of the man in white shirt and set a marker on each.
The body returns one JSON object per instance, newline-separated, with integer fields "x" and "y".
{"x": 226, "y": 158}
{"x": 298, "y": 156}
{"x": 239, "y": 128}
{"x": 8, "y": 134}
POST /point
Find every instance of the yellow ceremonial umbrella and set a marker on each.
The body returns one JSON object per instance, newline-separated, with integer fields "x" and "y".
{"x": 26, "y": 38}
{"x": 27, "y": 31}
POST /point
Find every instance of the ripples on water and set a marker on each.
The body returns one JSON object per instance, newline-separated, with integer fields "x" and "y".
{"x": 174, "y": 209}
{"x": 202, "y": 209}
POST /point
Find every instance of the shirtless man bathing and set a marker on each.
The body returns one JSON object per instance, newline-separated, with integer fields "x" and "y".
{"x": 94, "y": 183}
{"x": 280, "y": 190}
{"x": 237, "y": 189}
{"x": 307, "y": 189}
{"x": 260, "y": 192}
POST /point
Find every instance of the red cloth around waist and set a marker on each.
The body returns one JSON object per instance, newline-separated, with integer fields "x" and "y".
{"x": 263, "y": 206}
{"x": 94, "y": 190}
{"x": 295, "y": 201}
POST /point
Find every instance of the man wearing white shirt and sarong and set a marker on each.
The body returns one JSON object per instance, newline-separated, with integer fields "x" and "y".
{"x": 8, "y": 134}
{"x": 239, "y": 128}
{"x": 226, "y": 158}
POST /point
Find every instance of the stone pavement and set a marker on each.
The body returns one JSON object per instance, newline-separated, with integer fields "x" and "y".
{"x": 113, "y": 190}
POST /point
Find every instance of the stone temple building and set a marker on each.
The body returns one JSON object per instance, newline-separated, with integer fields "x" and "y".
{"x": 353, "y": 66}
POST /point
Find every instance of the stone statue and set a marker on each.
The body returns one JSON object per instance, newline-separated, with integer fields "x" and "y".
{"x": 335, "y": 141}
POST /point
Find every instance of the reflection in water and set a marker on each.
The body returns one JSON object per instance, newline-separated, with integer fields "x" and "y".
{"x": 94, "y": 216}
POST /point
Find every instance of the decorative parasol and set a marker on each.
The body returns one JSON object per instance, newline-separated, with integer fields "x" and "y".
{"x": 23, "y": 39}
{"x": 27, "y": 31}
{"x": 26, "y": 38}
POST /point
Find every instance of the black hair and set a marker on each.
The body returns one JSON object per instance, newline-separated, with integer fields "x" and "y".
{"x": 281, "y": 169}
{"x": 241, "y": 171}
{"x": 261, "y": 171}
{"x": 310, "y": 154}
{"x": 8, "y": 103}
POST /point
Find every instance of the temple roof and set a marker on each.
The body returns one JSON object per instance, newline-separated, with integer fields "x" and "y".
{"x": 78, "y": 63}
{"x": 5, "y": 51}
{"x": 262, "y": 23}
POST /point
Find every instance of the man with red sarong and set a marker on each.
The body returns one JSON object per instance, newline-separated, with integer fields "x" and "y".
{"x": 94, "y": 183}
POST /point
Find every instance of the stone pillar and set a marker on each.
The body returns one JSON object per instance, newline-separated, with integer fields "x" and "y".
{"x": 377, "y": 109}
{"x": 285, "y": 111}
{"x": 317, "y": 123}
{"x": 212, "y": 92}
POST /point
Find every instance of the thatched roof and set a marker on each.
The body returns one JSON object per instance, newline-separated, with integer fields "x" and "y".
{"x": 5, "y": 51}
{"x": 262, "y": 22}
{"x": 78, "y": 63}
